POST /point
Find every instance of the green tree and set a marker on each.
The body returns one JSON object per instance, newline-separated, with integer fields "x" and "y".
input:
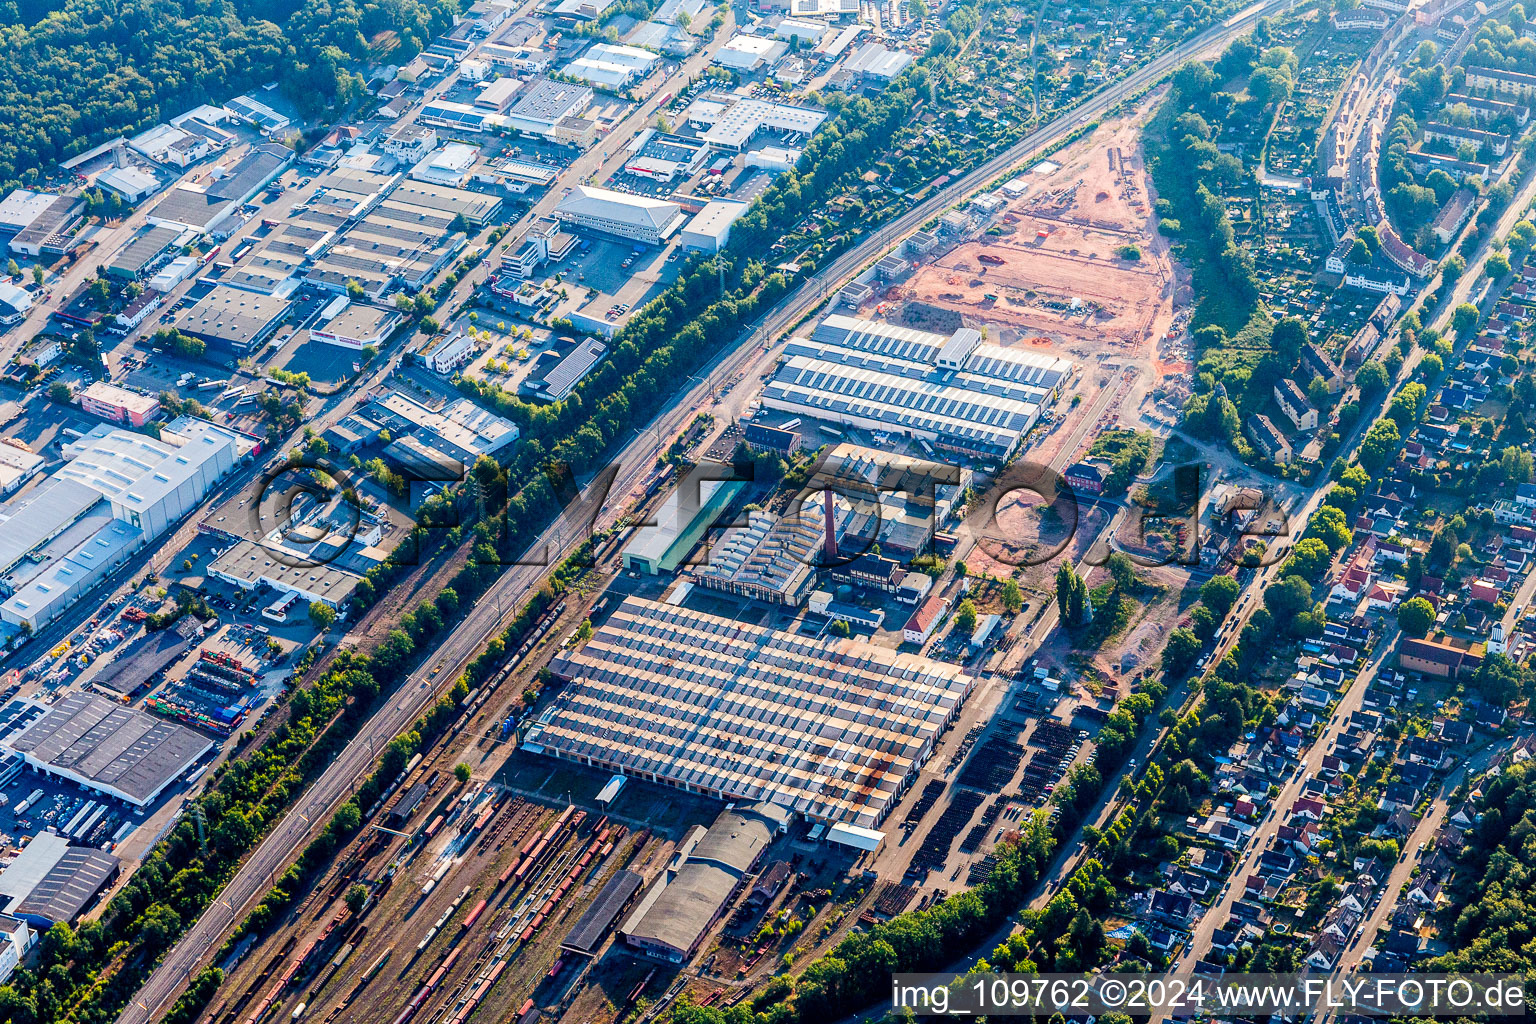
{"x": 322, "y": 615}
{"x": 1331, "y": 526}
{"x": 60, "y": 392}
{"x": 1182, "y": 649}
{"x": 37, "y": 274}
{"x": 1122, "y": 570}
{"x": 1012, "y": 597}
{"x": 1415, "y": 616}
{"x": 1372, "y": 379}
{"x": 1220, "y": 594}
{"x": 1288, "y": 598}
{"x": 1289, "y": 336}
{"x": 462, "y": 772}
{"x": 1379, "y": 444}
{"x": 1464, "y": 320}
{"x": 965, "y": 616}
{"x": 356, "y": 898}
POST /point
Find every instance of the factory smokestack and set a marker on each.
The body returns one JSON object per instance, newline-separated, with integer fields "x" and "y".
{"x": 829, "y": 551}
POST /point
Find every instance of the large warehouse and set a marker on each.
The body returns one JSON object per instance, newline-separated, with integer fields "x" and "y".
{"x": 105, "y": 747}
{"x": 233, "y": 318}
{"x": 637, "y": 218}
{"x": 956, "y": 391}
{"x": 712, "y": 864}
{"x": 833, "y": 729}
{"x": 119, "y": 491}
{"x": 51, "y": 882}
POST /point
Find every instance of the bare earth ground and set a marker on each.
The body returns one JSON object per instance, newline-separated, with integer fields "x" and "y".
{"x": 1061, "y": 286}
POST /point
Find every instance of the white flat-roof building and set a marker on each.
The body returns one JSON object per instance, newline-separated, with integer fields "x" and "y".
{"x": 637, "y": 218}
{"x": 822, "y": 8}
{"x": 731, "y": 126}
{"x": 15, "y": 302}
{"x": 130, "y": 183}
{"x": 746, "y": 53}
{"x": 19, "y": 209}
{"x": 461, "y": 430}
{"x": 355, "y": 325}
{"x": 447, "y": 166}
{"x": 805, "y": 31}
{"x": 253, "y": 111}
{"x": 877, "y": 65}
{"x": 17, "y": 466}
{"x": 151, "y": 484}
{"x": 409, "y": 143}
{"x": 497, "y": 96}
{"x": 612, "y": 66}
{"x": 710, "y": 229}
{"x": 119, "y": 405}
{"x": 545, "y": 104}
{"x": 775, "y": 159}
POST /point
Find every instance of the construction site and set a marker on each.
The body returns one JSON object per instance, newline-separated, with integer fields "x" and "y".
{"x": 1071, "y": 262}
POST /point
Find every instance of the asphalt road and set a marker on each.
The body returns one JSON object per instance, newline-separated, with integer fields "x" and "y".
{"x": 293, "y": 832}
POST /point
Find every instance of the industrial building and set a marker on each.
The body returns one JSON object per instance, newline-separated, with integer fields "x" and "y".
{"x": 214, "y": 206}
{"x": 405, "y": 233}
{"x": 233, "y": 318}
{"x": 119, "y": 405}
{"x": 708, "y": 868}
{"x": 169, "y": 144}
{"x": 320, "y": 554}
{"x": 461, "y": 430}
{"x": 448, "y": 166}
{"x": 545, "y": 105}
{"x": 961, "y": 394}
{"x": 15, "y": 302}
{"x": 49, "y": 225}
{"x": 612, "y": 67}
{"x": 881, "y": 497}
{"x": 141, "y": 252}
{"x": 355, "y": 325}
{"x": 21, "y": 207}
{"x": 770, "y": 560}
{"x": 118, "y": 492}
{"x": 131, "y": 184}
{"x": 637, "y": 218}
{"x": 253, "y": 111}
{"x": 18, "y": 464}
{"x": 108, "y": 748}
{"x": 680, "y": 524}
{"x": 570, "y": 371}
{"x": 48, "y": 883}
{"x": 456, "y": 116}
{"x": 743, "y": 53}
{"x": 710, "y": 229}
{"x": 805, "y": 31}
{"x": 834, "y": 729}
{"x": 586, "y": 935}
{"x": 875, "y": 65}
{"x": 731, "y": 124}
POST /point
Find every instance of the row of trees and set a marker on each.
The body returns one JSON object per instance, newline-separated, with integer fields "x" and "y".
{"x": 93, "y": 69}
